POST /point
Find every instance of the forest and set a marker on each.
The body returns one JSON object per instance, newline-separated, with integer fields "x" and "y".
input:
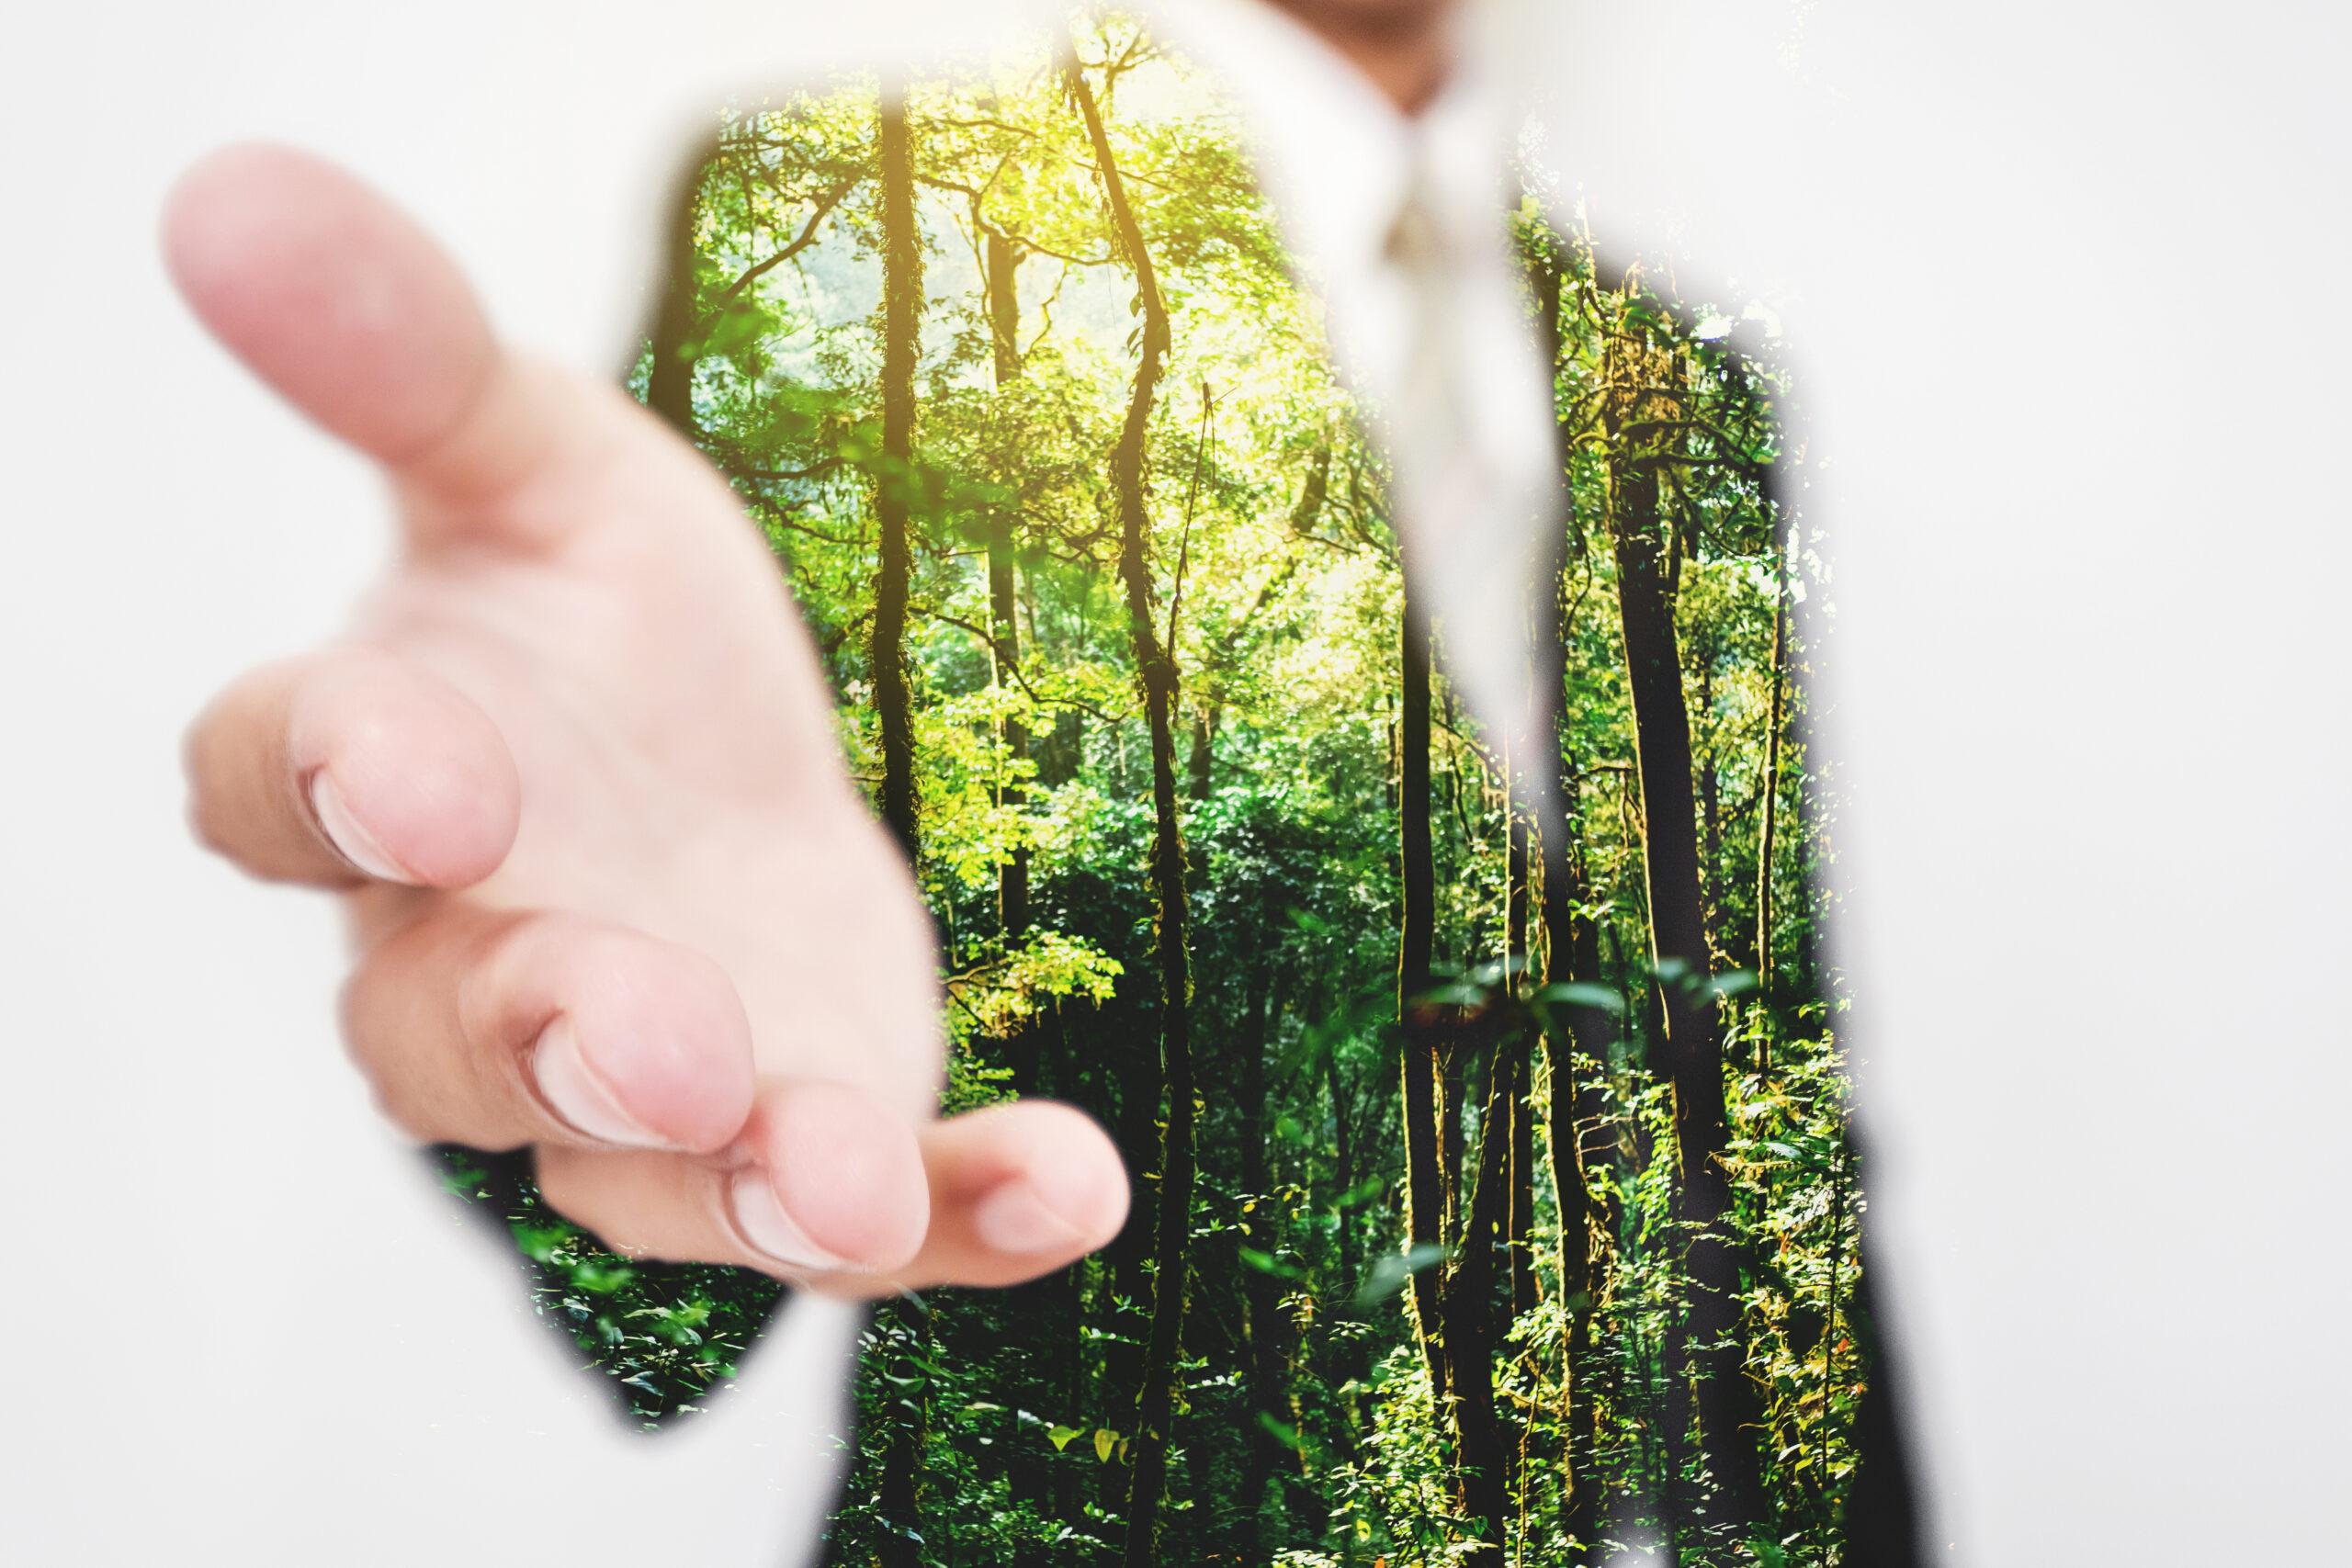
{"x": 1494, "y": 1201}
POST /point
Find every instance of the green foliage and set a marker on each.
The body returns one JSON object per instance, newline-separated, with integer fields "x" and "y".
{"x": 666, "y": 1337}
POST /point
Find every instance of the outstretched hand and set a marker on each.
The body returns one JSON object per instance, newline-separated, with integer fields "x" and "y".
{"x": 574, "y": 770}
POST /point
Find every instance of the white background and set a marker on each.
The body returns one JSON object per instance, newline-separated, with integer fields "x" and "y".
{"x": 2065, "y": 285}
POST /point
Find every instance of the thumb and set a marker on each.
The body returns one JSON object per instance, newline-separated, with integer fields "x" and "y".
{"x": 336, "y": 298}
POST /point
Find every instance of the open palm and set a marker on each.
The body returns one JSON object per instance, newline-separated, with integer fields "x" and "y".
{"x": 614, "y": 894}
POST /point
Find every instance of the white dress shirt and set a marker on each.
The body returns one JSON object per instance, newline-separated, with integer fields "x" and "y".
{"x": 1339, "y": 163}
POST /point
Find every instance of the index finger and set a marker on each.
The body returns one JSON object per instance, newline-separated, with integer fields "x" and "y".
{"x": 340, "y": 301}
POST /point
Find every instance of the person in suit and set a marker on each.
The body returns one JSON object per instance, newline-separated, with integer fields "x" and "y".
{"x": 615, "y": 899}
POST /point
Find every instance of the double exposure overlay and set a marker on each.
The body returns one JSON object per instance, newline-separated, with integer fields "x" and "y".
{"x": 1493, "y": 1202}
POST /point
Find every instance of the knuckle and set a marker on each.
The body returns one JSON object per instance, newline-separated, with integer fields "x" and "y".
{"x": 566, "y": 1190}
{"x": 587, "y": 1191}
{"x": 501, "y": 949}
{"x": 395, "y": 1022}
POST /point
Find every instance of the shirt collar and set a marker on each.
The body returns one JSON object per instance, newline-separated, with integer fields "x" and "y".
{"x": 1336, "y": 156}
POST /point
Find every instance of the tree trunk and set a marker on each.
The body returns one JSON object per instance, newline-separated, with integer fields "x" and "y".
{"x": 1425, "y": 1177}
{"x": 1577, "y": 1116}
{"x": 1711, "y": 812}
{"x": 1519, "y": 1181}
{"x": 1520, "y": 1225}
{"x": 1343, "y": 1170}
{"x": 899, "y": 1499}
{"x": 1708, "y": 1352}
{"x": 1481, "y": 1468}
{"x": 669, "y": 381}
{"x": 1200, "y": 766}
{"x": 1579, "y": 1045}
{"x": 1261, "y": 1292}
{"x": 1004, "y": 626}
{"x": 901, "y": 305}
{"x": 1041, "y": 1315}
{"x": 1454, "y": 1146}
{"x": 1838, "y": 1199}
{"x": 1156, "y": 673}
{"x": 1768, "y": 824}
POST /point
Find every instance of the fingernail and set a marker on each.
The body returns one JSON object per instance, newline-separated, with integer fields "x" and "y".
{"x": 575, "y": 1094}
{"x": 765, "y": 1225}
{"x": 1015, "y": 1219}
{"x": 343, "y": 831}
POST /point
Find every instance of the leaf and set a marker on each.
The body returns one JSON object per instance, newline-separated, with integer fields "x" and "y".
{"x": 742, "y": 325}
{"x": 1104, "y": 1440}
{"x": 1389, "y": 1274}
{"x": 1738, "y": 982}
{"x": 1581, "y": 994}
{"x": 539, "y": 1243}
{"x": 601, "y": 1278}
{"x": 1267, "y": 1263}
{"x": 1060, "y": 1435}
{"x": 1291, "y": 1438}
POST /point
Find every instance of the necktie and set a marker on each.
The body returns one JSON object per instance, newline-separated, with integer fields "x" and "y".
{"x": 1467, "y": 536}
{"x": 1430, "y": 444}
